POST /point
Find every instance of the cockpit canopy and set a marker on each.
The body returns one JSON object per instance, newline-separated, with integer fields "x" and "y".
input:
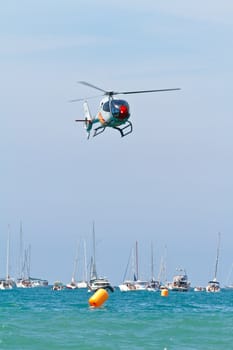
{"x": 119, "y": 108}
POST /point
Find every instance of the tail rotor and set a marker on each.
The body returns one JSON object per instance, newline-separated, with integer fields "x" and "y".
{"x": 88, "y": 121}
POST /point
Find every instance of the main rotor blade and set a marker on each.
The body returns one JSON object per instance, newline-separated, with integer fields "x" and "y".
{"x": 84, "y": 98}
{"x": 142, "y": 91}
{"x": 111, "y": 93}
{"x": 92, "y": 86}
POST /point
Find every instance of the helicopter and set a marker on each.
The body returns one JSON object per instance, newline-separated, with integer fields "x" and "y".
{"x": 113, "y": 113}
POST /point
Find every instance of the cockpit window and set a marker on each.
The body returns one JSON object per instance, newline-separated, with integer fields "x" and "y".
{"x": 106, "y": 107}
{"x": 116, "y": 104}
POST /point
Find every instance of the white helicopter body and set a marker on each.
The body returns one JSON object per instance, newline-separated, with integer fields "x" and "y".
{"x": 112, "y": 112}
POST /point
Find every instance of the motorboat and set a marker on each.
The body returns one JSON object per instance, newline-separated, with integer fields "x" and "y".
{"x": 101, "y": 282}
{"x": 153, "y": 286}
{"x": 199, "y": 289}
{"x": 180, "y": 282}
{"x": 58, "y": 285}
{"x": 213, "y": 286}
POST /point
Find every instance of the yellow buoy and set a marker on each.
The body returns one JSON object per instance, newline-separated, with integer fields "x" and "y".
{"x": 97, "y": 299}
{"x": 164, "y": 292}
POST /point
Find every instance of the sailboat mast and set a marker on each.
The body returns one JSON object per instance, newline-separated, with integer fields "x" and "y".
{"x": 152, "y": 262}
{"x": 75, "y": 264}
{"x": 7, "y": 254}
{"x": 94, "y": 273}
{"x": 136, "y": 256}
{"x": 20, "y": 272}
{"x": 85, "y": 260}
{"x": 218, "y": 249}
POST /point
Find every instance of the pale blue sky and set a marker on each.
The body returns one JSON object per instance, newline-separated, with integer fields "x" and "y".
{"x": 169, "y": 182}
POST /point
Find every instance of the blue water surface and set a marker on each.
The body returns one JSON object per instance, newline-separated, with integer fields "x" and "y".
{"x": 40, "y": 318}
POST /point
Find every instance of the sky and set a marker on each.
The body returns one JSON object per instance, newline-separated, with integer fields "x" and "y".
{"x": 168, "y": 183}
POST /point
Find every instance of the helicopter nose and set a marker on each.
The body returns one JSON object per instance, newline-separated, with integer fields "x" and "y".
{"x": 123, "y": 112}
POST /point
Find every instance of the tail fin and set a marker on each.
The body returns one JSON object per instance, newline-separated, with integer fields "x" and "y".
{"x": 88, "y": 118}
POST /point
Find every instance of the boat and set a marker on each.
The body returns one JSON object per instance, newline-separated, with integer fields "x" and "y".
{"x": 8, "y": 282}
{"x": 79, "y": 284}
{"x": 153, "y": 285}
{"x": 31, "y": 282}
{"x": 199, "y": 289}
{"x": 38, "y": 282}
{"x": 180, "y": 282}
{"x": 162, "y": 277}
{"x": 129, "y": 284}
{"x": 73, "y": 283}
{"x": 99, "y": 282}
{"x": 213, "y": 285}
{"x": 25, "y": 280}
{"x": 83, "y": 283}
{"x": 58, "y": 285}
{"x": 95, "y": 281}
{"x": 133, "y": 284}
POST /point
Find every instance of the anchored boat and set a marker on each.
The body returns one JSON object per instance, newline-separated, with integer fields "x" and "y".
{"x": 213, "y": 285}
{"x": 96, "y": 282}
{"x": 180, "y": 282}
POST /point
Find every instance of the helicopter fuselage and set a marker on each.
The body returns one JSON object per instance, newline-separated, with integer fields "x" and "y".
{"x": 112, "y": 112}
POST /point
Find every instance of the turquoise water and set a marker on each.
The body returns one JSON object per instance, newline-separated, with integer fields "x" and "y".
{"x": 45, "y": 319}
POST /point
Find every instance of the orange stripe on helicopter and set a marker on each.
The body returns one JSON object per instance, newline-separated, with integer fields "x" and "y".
{"x": 101, "y": 119}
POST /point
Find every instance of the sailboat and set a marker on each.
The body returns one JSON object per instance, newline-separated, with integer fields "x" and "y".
{"x": 73, "y": 283}
{"x": 128, "y": 284}
{"x": 162, "y": 277}
{"x": 81, "y": 284}
{"x": 8, "y": 282}
{"x": 96, "y": 282}
{"x": 153, "y": 285}
{"x": 25, "y": 280}
{"x": 133, "y": 284}
{"x": 213, "y": 285}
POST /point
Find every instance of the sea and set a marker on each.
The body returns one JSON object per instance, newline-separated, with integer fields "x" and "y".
{"x": 40, "y": 318}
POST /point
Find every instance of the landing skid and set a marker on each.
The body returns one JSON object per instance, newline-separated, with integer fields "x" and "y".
{"x": 99, "y": 130}
{"x": 125, "y": 130}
